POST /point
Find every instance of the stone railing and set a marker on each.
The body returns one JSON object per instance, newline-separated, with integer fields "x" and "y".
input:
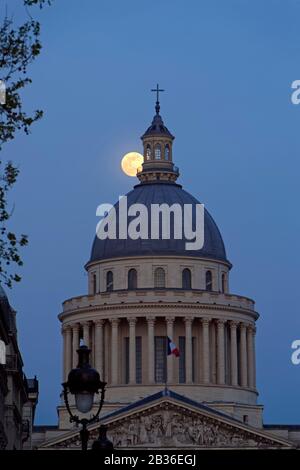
{"x": 163, "y": 295}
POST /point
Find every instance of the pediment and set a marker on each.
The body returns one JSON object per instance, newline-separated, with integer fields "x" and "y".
{"x": 169, "y": 423}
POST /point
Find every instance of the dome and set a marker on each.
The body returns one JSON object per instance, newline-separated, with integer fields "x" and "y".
{"x": 157, "y": 193}
{"x": 157, "y": 128}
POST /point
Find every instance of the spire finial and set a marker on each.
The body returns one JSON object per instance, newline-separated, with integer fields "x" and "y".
{"x": 157, "y": 90}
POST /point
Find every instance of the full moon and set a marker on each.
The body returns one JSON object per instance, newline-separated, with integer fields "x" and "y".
{"x": 131, "y": 162}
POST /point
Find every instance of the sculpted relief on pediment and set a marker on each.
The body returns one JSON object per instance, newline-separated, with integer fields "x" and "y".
{"x": 169, "y": 426}
{"x": 174, "y": 428}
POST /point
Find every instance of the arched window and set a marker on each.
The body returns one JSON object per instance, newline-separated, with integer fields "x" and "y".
{"x": 167, "y": 152}
{"x": 208, "y": 280}
{"x": 148, "y": 152}
{"x": 186, "y": 279}
{"x": 157, "y": 152}
{"x": 109, "y": 281}
{"x": 132, "y": 279}
{"x": 159, "y": 277}
{"x": 223, "y": 283}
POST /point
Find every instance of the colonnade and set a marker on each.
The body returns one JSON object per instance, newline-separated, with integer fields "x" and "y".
{"x": 227, "y": 355}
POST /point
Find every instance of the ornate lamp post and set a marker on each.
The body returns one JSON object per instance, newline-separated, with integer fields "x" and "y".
{"x": 83, "y": 382}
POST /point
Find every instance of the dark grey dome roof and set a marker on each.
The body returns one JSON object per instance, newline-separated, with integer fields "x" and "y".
{"x": 157, "y": 128}
{"x": 158, "y": 193}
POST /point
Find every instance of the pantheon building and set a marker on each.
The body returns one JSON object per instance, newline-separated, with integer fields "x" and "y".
{"x": 139, "y": 293}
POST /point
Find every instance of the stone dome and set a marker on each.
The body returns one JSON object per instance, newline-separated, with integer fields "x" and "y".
{"x": 157, "y": 193}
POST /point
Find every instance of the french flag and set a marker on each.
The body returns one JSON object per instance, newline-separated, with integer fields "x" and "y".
{"x": 172, "y": 348}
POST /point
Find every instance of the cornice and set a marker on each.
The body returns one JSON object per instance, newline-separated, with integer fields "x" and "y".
{"x": 137, "y": 258}
{"x": 157, "y": 306}
{"x": 144, "y": 290}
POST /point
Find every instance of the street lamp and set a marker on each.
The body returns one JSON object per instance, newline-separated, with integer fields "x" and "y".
{"x": 83, "y": 382}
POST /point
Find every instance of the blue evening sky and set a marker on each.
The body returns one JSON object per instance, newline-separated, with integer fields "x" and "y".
{"x": 227, "y": 68}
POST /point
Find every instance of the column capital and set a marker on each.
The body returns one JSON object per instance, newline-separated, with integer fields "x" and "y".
{"x": 251, "y": 329}
{"x": 170, "y": 319}
{"x": 220, "y": 322}
{"x": 243, "y": 326}
{"x": 150, "y": 321}
{"x": 188, "y": 320}
{"x": 86, "y": 323}
{"x": 66, "y": 328}
{"x": 99, "y": 323}
{"x": 132, "y": 321}
{"x": 75, "y": 326}
{"x": 233, "y": 324}
{"x": 205, "y": 321}
{"x": 114, "y": 321}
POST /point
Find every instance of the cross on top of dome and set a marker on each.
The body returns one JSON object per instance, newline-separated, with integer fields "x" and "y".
{"x": 157, "y": 105}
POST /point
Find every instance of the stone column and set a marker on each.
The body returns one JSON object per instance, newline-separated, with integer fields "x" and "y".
{"x": 75, "y": 344}
{"x": 107, "y": 353}
{"x": 205, "y": 351}
{"x": 213, "y": 353}
{"x": 254, "y": 356}
{"x": 243, "y": 354}
{"x": 188, "y": 350}
{"x": 92, "y": 344}
{"x": 221, "y": 353}
{"x": 132, "y": 351}
{"x": 68, "y": 343}
{"x": 170, "y": 359}
{"x": 251, "y": 355}
{"x": 64, "y": 351}
{"x": 114, "y": 350}
{"x": 99, "y": 366}
{"x": 151, "y": 322}
{"x": 86, "y": 333}
{"x": 233, "y": 353}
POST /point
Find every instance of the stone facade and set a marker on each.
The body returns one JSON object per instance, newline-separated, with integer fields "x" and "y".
{"x": 18, "y": 395}
{"x": 220, "y": 325}
{"x": 169, "y": 421}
